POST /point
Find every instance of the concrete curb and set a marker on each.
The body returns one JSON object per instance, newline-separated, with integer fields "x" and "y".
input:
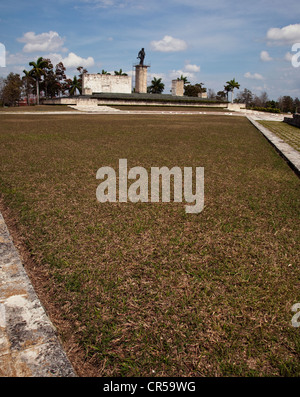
{"x": 291, "y": 155}
{"x": 29, "y": 345}
{"x": 91, "y": 111}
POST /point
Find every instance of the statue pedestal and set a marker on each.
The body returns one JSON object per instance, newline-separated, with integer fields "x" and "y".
{"x": 141, "y": 79}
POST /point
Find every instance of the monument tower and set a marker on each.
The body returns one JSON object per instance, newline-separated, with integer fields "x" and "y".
{"x": 141, "y": 74}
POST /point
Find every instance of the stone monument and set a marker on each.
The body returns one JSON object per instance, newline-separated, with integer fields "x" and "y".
{"x": 141, "y": 74}
{"x": 177, "y": 87}
{"x": 104, "y": 83}
{"x": 141, "y": 56}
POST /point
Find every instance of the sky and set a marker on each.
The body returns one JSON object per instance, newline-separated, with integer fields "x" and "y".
{"x": 209, "y": 42}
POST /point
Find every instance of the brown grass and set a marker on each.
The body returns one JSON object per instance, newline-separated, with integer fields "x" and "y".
{"x": 36, "y": 108}
{"x": 146, "y": 289}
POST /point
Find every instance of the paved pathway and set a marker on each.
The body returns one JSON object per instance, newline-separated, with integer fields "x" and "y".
{"x": 255, "y": 115}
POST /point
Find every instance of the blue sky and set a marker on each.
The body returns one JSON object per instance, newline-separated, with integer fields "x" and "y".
{"x": 208, "y": 41}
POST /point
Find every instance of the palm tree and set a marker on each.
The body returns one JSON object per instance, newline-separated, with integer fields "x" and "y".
{"x": 184, "y": 78}
{"x": 105, "y": 72}
{"x": 74, "y": 86}
{"x": 232, "y": 84}
{"x": 227, "y": 89}
{"x": 28, "y": 79}
{"x": 81, "y": 71}
{"x": 120, "y": 73}
{"x": 38, "y": 69}
{"x": 156, "y": 86}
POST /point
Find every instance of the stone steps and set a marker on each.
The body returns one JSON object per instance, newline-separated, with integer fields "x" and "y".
{"x": 93, "y": 108}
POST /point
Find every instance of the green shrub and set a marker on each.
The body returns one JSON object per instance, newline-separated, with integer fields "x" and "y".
{"x": 269, "y": 110}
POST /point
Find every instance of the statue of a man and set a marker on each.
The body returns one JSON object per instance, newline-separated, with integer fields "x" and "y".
{"x": 141, "y": 56}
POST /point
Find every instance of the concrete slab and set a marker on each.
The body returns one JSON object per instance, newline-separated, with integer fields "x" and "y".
{"x": 93, "y": 108}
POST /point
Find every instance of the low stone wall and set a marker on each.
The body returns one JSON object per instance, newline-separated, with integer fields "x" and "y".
{"x": 88, "y": 101}
{"x": 295, "y": 121}
{"x": 71, "y": 101}
{"x": 105, "y": 83}
{"x": 236, "y": 107}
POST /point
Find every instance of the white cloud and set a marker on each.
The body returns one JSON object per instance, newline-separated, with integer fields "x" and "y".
{"x": 192, "y": 68}
{"x": 287, "y": 35}
{"x": 50, "y": 41}
{"x": 174, "y": 74}
{"x": 265, "y": 57}
{"x": 157, "y": 76}
{"x": 18, "y": 58}
{"x": 255, "y": 76}
{"x": 54, "y": 58}
{"x": 168, "y": 44}
{"x": 73, "y": 61}
{"x": 288, "y": 57}
{"x": 258, "y": 88}
{"x": 94, "y": 4}
{"x": 189, "y": 71}
{"x": 105, "y": 3}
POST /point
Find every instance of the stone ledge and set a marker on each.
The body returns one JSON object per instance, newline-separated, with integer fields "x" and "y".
{"x": 294, "y": 121}
{"x": 29, "y": 345}
{"x": 291, "y": 155}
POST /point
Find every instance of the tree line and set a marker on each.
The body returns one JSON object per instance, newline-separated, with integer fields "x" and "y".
{"x": 42, "y": 80}
{"x": 262, "y": 102}
{"x": 283, "y": 104}
{"x": 46, "y": 81}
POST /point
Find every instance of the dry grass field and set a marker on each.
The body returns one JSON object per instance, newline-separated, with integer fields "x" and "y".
{"x": 145, "y": 289}
{"x": 36, "y": 108}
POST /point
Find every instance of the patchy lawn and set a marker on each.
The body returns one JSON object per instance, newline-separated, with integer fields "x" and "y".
{"x": 37, "y": 108}
{"x": 146, "y": 289}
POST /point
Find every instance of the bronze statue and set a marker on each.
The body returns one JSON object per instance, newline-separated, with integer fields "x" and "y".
{"x": 141, "y": 55}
